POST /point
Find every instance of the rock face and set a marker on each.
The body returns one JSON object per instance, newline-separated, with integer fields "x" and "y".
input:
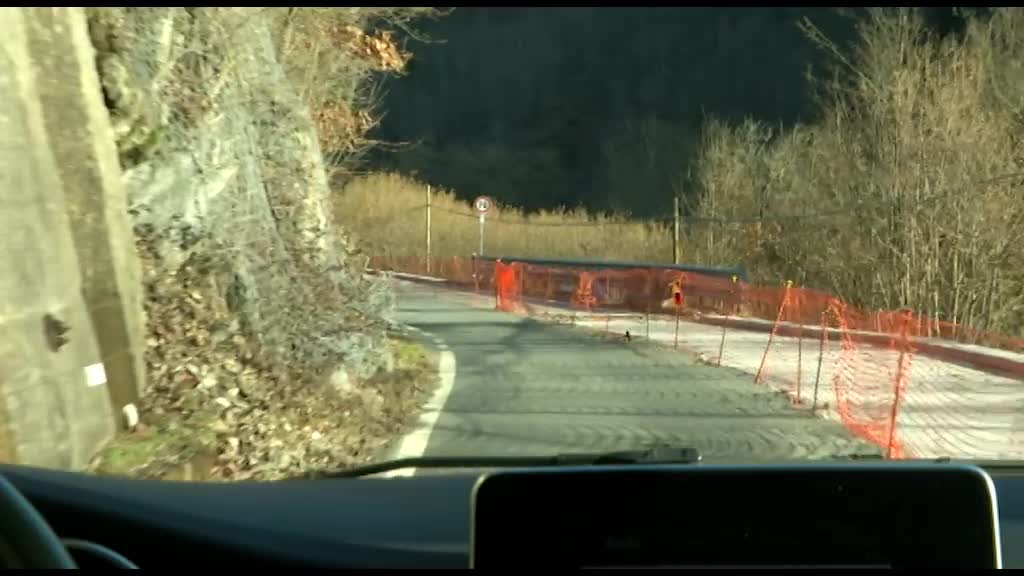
{"x": 222, "y": 165}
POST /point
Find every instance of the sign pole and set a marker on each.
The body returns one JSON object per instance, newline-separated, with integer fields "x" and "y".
{"x": 725, "y": 320}
{"x": 677, "y": 297}
{"x": 647, "y": 310}
{"x": 428, "y": 229}
{"x": 482, "y": 205}
{"x": 676, "y": 341}
{"x": 821, "y": 356}
{"x": 483, "y": 218}
{"x": 675, "y": 229}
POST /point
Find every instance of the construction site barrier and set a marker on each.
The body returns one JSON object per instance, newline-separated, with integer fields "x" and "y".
{"x": 912, "y": 385}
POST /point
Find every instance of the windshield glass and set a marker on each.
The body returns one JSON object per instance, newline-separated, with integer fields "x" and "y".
{"x": 260, "y": 243}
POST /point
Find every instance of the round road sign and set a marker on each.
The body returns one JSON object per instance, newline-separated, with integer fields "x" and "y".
{"x": 482, "y": 205}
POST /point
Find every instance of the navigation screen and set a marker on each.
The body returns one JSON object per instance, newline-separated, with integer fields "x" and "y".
{"x": 877, "y": 517}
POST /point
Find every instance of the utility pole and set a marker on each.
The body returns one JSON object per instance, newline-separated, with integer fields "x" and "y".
{"x": 675, "y": 228}
{"x": 428, "y": 228}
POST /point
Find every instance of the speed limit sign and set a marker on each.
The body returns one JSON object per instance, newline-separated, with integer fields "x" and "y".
{"x": 482, "y": 205}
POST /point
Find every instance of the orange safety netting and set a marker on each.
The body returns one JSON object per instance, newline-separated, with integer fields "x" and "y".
{"x": 900, "y": 380}
{"x": 507, "y": 287}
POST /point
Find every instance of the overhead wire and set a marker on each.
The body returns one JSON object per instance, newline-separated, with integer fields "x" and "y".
{"x": 854, "y": 208}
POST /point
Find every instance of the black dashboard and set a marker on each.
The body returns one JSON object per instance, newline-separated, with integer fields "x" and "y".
{"x": 417, "y": 522}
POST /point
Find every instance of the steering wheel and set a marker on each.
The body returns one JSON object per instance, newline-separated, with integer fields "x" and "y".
{"x": 26, "y": 540}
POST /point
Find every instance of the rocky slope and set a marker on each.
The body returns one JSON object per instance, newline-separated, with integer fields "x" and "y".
{"x": 262, "y": 330}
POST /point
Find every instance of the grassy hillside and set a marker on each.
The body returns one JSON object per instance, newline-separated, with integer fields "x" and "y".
{"x": 387, "y": 215}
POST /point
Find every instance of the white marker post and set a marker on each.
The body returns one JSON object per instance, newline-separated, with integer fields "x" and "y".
{"x": 482, "y": 205}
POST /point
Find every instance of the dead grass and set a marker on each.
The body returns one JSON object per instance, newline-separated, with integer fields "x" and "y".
{"x": 386, "y": 213}
{"x": 173, "y": 451}
{"x": 380, "y": 409}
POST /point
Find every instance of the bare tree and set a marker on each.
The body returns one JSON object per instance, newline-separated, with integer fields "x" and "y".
{"x": 907, "y": 192}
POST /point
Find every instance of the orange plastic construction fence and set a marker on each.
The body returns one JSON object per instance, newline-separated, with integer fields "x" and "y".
{"x": 903, "y": 381}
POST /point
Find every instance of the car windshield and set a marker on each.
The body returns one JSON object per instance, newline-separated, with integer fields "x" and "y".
{"x": 265, "y": 243}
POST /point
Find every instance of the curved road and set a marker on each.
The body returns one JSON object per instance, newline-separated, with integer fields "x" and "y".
{"x": 522, "y": 387}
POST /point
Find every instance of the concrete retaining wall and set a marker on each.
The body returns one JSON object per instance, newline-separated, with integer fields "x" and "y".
{"x": 68, "y": 268}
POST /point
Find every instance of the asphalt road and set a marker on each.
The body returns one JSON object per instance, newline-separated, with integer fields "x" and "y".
{"x": 523, "y": 387}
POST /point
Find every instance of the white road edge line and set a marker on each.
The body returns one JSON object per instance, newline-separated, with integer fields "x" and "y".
{"x": 414, "y": 444}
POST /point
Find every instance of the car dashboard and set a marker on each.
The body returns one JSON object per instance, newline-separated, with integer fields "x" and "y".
{"x": 423, "y": 521}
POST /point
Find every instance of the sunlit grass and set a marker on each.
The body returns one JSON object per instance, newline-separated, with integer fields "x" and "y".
{"x": 387, "y": 215}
